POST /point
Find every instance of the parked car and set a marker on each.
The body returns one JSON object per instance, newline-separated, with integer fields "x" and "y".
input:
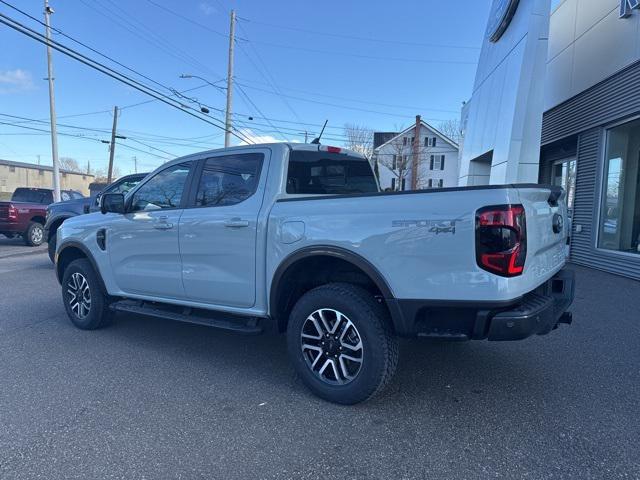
{"x": 60, "y": 211}
{"x": 24, "y": 215}
{"x": 297, "y": 237}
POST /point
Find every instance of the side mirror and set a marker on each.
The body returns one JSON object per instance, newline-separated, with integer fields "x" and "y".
{"x": 112, "y": 202}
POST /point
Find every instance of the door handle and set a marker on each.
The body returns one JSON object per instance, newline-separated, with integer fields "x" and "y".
{"x": 162, "y": 224}
{"x": 236, "y": 223}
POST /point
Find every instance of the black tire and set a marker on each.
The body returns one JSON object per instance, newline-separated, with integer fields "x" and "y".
{"x": 97, "y": 314}
{"x": 51, "y": 246}
{"x": 379, "y": 347}
{"x": 34, "y": 234}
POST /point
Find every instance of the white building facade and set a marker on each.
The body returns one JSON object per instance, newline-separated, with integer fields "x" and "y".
{"x": 436, "y": 165}
{"x": 589, "y": 113}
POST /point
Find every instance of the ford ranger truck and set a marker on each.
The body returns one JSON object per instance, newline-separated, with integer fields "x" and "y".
{"x": 298, "y": 238}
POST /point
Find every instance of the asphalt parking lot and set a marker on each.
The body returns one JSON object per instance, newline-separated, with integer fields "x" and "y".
{"x": 153, "y": 399}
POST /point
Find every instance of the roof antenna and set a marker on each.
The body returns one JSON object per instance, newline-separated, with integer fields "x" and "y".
{"x": 316, "y": 141}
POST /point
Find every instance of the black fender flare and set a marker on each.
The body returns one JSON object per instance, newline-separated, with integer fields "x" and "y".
{"x": 72, "y": 244}
{"x": 337, "y": 252}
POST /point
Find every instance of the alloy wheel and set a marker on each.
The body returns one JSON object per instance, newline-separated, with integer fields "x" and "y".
{"x": 79, "y": 295}
{"x": 332, "y": 346}
{"x": 37, "y": 235}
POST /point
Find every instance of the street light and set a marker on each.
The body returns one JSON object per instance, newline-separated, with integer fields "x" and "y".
{"x": 213, "y": 84}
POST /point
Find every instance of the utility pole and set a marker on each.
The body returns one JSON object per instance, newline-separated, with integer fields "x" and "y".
{"x": 228, "y": 121}
{"x": 415, "y": 154}
{"x": 52, "y": 105}
{"x": 112, "y": 146}
{"x": 135, "y": 164}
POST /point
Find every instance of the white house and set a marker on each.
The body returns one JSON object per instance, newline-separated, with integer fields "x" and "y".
{"x": 437, "y": 159}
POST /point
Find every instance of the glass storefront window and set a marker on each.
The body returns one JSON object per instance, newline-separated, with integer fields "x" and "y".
{"x": 620, "y": 208}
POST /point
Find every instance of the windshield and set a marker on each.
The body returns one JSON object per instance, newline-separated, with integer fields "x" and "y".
{"x": 329, "y": 173}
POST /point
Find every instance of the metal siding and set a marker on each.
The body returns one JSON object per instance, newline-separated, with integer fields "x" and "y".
{"x": 610, "y": 100}
{"x": 586, "y": 210}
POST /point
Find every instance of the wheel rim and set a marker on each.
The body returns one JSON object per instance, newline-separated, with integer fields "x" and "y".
{"x": 36, "y": 235}
{"x": 332, "y": 346}
{"x": 79, "y": 295}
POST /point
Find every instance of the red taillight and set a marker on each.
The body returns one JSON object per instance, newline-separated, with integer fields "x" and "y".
{"x": 501, "y": 239}
{"x": 334, "y": 149}
{"x": 13, "y": 213}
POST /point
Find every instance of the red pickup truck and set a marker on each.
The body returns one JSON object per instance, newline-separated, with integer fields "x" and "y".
{"x": 25, "y": 214}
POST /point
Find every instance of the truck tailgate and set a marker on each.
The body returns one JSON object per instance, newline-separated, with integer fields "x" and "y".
{"x": 547, "y": 230}
{"x": 4, "y": 211}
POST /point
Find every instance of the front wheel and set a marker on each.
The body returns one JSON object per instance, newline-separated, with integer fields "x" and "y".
{"x": 341, "y": 344}
{"x": 84, "y": 300}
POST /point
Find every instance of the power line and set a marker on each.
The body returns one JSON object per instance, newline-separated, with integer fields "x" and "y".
{"x": 355, "y": 37}
{"x": 60, "y": 32}
{"x": 148, "y": 36}
{"x": 368, "y": 57}
{"x": 105, "y": 70}
{"x": 187, "y": 19}
{"x": 244, "y": 94}
{"x": 267, "y": 75}
{"x": 367, "y": 102}
{"x": 129, "y": 137}
{"x": 77, "y": 136}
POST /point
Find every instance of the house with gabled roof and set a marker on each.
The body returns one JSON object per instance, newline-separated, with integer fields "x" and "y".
{"x": 417, "y": 158}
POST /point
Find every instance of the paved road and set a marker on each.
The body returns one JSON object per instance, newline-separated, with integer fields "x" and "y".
{"x": 10, "y": 247}
{"x": 153, "y": 399}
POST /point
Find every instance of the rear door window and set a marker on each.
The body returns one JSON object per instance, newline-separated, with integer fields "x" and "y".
{"x": 324, "y": 173}
{"x": 32, "y": 196}
{"x": 229, "y": 180}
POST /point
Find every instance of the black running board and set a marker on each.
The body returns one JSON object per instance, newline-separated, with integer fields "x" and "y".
{"x": 221, "y": 320}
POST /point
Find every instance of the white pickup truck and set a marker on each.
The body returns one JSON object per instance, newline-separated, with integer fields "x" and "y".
{"x": 298, "y": 238}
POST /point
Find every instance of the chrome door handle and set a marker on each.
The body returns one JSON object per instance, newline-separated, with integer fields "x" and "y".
{"x": 163, "y": 224}
{"x": 236, "y": 223}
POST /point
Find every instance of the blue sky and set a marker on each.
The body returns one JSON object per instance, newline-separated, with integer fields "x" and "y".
{"x": 372, "y": 63}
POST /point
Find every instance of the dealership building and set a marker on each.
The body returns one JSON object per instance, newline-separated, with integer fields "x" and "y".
{"x": 589, "y": 134}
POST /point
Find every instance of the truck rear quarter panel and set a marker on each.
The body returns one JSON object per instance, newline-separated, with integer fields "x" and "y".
{"x": 422, "y": 243}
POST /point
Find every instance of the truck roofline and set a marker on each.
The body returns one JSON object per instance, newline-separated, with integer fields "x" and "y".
{"x": 272, "y": 146}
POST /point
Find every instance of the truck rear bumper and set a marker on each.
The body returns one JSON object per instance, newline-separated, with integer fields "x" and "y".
{"x": 11, "y": 227}
{"x": 536, "y": 313}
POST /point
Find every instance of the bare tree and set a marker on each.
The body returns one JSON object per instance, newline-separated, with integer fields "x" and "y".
{"x": 359, "y": 139}
{"x": 69, "y": 163}
{"x": 398, "y": 159}
{"x": 101, "y": 175}
{"x": 451, "y": 128}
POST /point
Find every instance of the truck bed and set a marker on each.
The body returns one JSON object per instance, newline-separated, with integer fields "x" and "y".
{"x": 423, "y": 242}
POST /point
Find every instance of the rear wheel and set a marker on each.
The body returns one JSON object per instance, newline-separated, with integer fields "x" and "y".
{"x": 84, "y": 300}
{"x": 341, "y": 344}
{"x": 34, "y": 235}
